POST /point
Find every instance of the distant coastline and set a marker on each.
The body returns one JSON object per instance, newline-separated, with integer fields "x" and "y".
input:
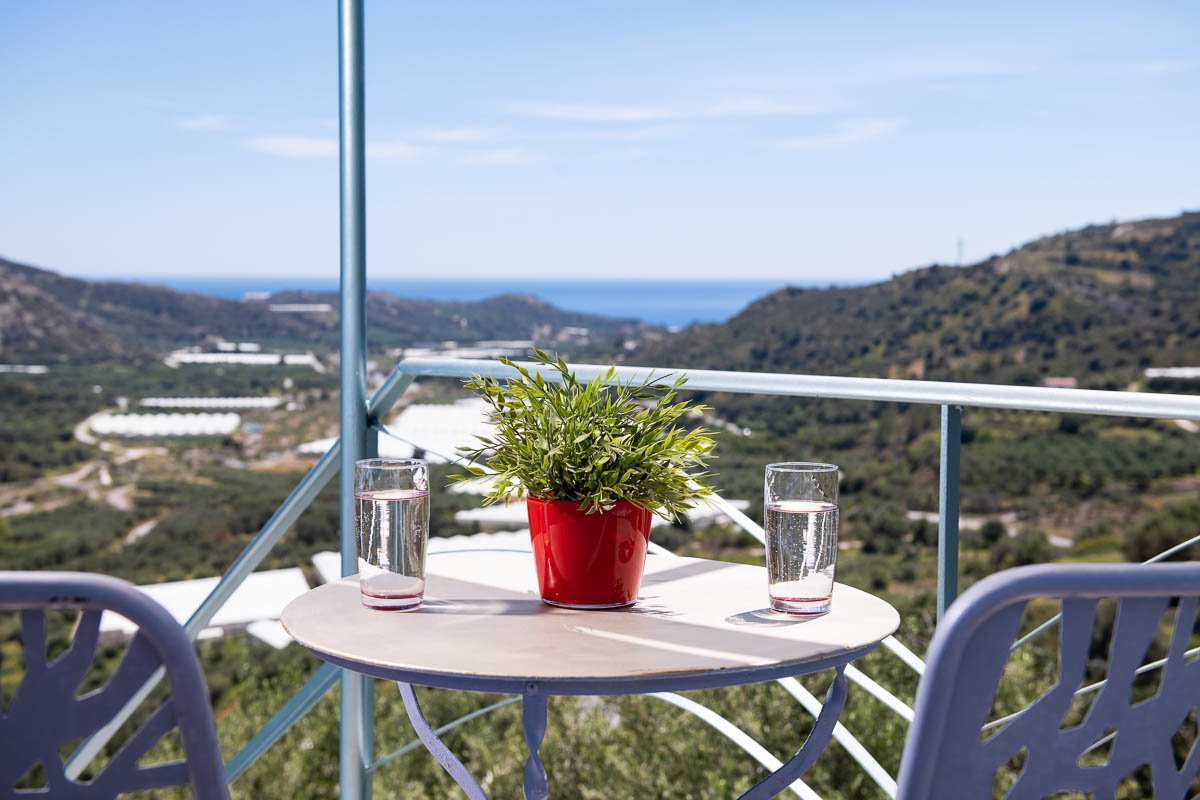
{"x": 673, "y": 303}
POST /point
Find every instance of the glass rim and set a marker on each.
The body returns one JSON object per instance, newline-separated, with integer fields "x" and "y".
{"x": 390, "y": 463}
{"x": 802, "y": 466}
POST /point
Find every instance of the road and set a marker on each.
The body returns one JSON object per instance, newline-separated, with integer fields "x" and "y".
{"x": 94, "y": 479}
{"x": 974, "y": 522}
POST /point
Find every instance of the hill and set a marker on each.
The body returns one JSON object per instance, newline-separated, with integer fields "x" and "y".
{"x": 48, "y": 317}
{"x": 1099, "y": 304}
{"x": 37, "y": 326}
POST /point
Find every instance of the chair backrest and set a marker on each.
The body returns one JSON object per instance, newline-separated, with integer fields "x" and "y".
{"x": 949, "y": 754}
{"x": 45, "y": 715}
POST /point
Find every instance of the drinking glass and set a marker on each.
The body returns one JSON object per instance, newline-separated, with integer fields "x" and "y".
{"x": 801, "y": 521}
{"x": 392, "y": 525}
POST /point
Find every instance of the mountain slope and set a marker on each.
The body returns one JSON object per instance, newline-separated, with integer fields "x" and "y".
{"x": 37, "y": 326}
{"x": 1099, "y": 303}
{"x": 47, "y": 317}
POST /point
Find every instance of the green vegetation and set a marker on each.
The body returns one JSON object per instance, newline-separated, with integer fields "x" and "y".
{"x": 1099, "y": 305}
{"x": 38, "y": 413}
{"x": 1125, "y": 299}
{"x": 36, "y": 420}
{"x": 591, "y": 443}
{"x": 1161, "y": 529}
{"x": 203, "y": 522}
{"x": 70, "y": 537}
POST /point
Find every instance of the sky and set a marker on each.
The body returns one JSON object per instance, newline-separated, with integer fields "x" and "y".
{"x": 790, "y": 141}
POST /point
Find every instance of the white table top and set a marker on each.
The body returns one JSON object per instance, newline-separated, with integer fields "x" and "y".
{"x": 697, "y": 623}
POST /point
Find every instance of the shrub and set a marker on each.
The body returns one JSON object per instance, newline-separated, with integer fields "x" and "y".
{"x": 595, "y": 443}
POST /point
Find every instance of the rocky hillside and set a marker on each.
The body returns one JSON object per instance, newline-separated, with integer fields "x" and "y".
{"x": 1099, "y": 304}
{"x": 46, "y": 317}
{"x": 36, "y": 325}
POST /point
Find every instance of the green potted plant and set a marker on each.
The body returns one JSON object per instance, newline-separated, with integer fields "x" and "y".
{"x": 595, "y": 460}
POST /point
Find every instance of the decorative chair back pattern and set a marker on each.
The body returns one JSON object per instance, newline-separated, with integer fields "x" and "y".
{"x": 45, "y": 714}
{"x": 950, "y": 755}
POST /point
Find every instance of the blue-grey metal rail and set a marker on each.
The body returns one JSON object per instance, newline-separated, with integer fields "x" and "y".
{"x": 951, "y": 397}
{"x": 938, "y": 393}
{"x": 948, "y": 506}
{"x": 947, "y": 395}
{"x": 357, "y": 692}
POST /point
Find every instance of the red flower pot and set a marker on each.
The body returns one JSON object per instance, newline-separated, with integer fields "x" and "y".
{"x": 588, "y": 560}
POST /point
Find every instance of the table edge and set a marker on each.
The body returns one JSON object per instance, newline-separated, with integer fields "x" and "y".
{"x": 610, "y": 685}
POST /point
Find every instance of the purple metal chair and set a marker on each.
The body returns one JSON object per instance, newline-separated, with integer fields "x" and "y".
{"x": 950, "y": 755}
{"x": 45, "y": 714}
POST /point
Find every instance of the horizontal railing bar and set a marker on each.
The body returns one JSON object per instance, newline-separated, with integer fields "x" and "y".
{"x": 92, "y": 746}
{"x": 299, "y": 704}
{"x": 1093, "y": 687}
{"x": 979, "y": 395}
{"x": 1050, "y": 623}
{"x": 388, "y": 394}
{"x": 873, "y": 688}
{"x": 738, "y": 517}
{"x": 898, "y": 649}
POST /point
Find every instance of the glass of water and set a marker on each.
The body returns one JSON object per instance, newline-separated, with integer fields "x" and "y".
{"x": 392, "y": 524}
{"x": 801, "y": 516}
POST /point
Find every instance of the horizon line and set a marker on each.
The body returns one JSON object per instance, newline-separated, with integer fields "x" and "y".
{"x": 333, "y": 279}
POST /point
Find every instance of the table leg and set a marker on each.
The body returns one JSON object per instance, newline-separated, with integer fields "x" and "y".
{"x": 533, "y": 717}
{"x": 806, "y": 756}
{"x": 436, "y": 747}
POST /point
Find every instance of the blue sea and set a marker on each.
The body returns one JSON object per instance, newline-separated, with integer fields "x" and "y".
{"x": 675, "y": 303}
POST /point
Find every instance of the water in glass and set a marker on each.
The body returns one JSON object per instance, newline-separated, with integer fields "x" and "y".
{"x": 392, "y": 529}
{"x": 801, "y": 554}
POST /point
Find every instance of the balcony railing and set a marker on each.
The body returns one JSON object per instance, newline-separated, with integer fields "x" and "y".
{"x": 950, "y": 397}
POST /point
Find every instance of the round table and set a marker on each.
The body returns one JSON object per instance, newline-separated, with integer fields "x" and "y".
{"x": 697, "y": 624}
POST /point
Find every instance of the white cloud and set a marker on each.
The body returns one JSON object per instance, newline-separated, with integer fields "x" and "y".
{"x": 294, "y": 146}
{"x": 590, "y": 113}
{"x": 395, "y": 150}
{"x": 731, "y": 107}
{"x": 205, "y": 122}
{"x": 1162, "y": 67}
{"x": 502, "y": 158}
{"x": 759, "y": 107}
{"x": 456, "y": 135}
{"x": 850, "y": 132}
{"x": 627, "y": 154}
{"x": 619, "y": 133}
{"x": 327, "y": 147}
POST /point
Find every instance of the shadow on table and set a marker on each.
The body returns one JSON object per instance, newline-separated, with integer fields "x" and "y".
{"x": 689, "y": 569}
{"x": 650, "y": 640}
{"x": 467, "y": 597}
{"x": 768, "y": 618}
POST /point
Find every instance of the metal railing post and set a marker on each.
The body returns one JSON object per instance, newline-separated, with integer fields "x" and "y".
{"x": 948, "y": 490}
{"x": 357, "y": 717}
